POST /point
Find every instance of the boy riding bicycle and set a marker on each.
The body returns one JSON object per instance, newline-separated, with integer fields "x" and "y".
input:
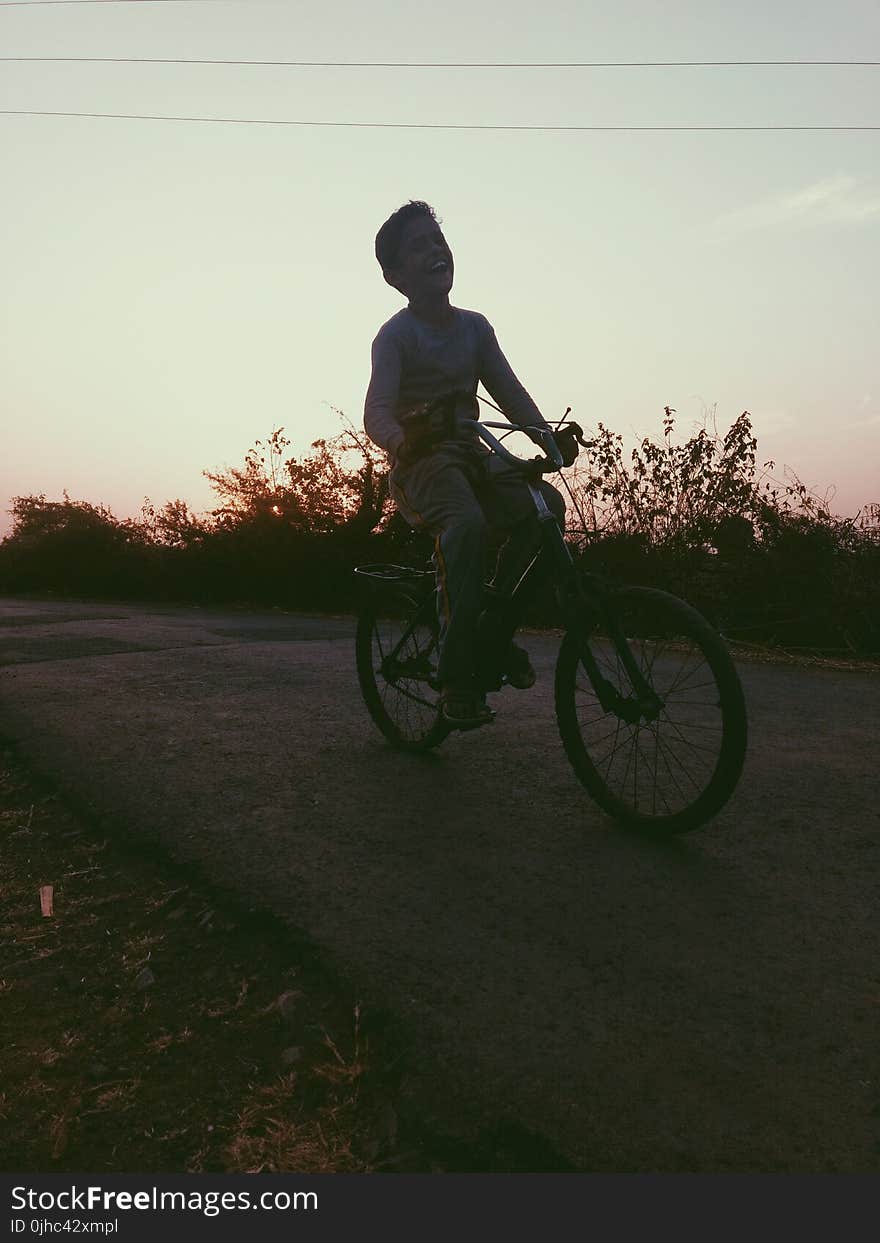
{"x": 427, "y": 362}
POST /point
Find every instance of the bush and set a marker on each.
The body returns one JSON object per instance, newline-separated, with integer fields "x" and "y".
{"x": 73, "y": 548}
{"x": 766, "y": 561}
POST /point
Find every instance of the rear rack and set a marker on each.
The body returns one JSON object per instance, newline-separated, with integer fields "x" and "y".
{"x": 386, "y": 573}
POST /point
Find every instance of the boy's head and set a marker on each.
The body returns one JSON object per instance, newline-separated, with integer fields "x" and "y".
{"x": 413, "y": 253}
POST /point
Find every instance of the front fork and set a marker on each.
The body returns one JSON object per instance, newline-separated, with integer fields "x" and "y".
{"x": 583, "y": 602}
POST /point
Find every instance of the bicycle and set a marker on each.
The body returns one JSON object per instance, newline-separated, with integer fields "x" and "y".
{"x": 648, "y": 703}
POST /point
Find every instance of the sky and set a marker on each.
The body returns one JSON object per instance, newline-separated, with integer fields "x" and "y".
{"x": 173, "y": 290}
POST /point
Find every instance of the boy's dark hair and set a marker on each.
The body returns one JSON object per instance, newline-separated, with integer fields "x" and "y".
{"x": 388, "y": 237}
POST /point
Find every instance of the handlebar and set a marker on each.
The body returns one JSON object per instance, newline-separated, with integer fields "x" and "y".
{"x": 435, "y": 421}
{"x": 551, "y": 462}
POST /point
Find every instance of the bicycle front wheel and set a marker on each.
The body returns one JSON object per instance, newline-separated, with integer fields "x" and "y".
{"x": 661, "y": 752}
{"x": 396, "y": 651}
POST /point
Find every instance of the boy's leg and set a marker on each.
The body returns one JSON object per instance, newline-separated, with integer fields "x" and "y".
{"x": 510, "y": 507}
{"x": 437, "y": 493}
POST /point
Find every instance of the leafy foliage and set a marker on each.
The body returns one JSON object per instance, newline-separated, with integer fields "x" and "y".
{"x": 766, "y": 559}
{"x": 670, "y": 494}
{"x": 341, "y": 482}
{"x": 71, "y": 547}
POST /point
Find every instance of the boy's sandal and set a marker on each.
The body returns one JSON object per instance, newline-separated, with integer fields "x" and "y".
{"x": 461, "y": 712}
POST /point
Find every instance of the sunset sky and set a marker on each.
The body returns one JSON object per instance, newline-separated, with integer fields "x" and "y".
{"x": 173, "y": 290}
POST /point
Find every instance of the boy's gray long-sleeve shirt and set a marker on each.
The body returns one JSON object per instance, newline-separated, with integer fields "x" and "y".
{"x": 414, "y": 362}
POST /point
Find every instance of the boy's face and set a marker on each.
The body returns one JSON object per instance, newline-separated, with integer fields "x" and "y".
{"x": 424, "y": 269}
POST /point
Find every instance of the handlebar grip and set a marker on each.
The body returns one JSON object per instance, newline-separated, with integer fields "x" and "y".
{"x": 578, "y": 432}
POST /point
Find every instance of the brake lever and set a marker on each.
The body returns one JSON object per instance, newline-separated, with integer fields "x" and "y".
{"x": 572, "y": 428}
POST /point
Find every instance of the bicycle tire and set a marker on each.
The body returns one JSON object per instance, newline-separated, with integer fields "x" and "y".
{"x": 665, "y": 787}
{"x": 398, "y": 683}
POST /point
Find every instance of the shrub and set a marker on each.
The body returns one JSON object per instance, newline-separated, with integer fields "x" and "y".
{"x": 72, "y": 547}
{"x": 766, "y": 560}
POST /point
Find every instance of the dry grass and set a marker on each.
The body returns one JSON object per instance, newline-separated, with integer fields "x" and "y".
{"x": 146, "y": 1028}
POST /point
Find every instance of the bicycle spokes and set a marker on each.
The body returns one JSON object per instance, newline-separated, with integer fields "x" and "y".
{"x": 656, "y": 753}
{"x": 652, "y": 717}
{"x": 397, "y": 664}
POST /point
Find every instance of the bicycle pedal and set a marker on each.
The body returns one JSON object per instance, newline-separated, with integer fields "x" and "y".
{"x": 464, "y": 727}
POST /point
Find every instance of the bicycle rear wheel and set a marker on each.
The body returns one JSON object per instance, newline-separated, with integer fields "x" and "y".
{"x": 396, "y": 653}
{"x": 664, "y": 757}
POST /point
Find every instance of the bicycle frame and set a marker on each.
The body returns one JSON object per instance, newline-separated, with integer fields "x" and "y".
{"x": 662, "y": 760}
{"x": 574, "y": 600}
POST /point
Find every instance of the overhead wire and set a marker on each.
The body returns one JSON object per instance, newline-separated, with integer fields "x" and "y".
{"x": 422, "y": 125}
{"x": 148, "y": 60}
{"x": 35, "y": 4}
{"x": 432, "y": 64}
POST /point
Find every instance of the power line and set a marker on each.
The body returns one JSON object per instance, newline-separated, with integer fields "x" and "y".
{"x": 398, "y": 64}
{"x": 139, "y": 116}
{"x": 34, "y": 4}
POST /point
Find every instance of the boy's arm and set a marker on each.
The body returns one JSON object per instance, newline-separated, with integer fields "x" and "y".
{"x": 380, "y": 408}
{"x": 502, "y": 385}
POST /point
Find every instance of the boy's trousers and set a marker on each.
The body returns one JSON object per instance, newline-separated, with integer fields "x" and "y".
{"x": 465, "y": 497}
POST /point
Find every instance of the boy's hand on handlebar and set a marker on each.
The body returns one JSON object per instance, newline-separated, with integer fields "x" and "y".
{"x": 568, "y": 440}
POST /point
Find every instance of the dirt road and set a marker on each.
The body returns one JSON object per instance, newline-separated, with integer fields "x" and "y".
{"x": 710, "y": 1004}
